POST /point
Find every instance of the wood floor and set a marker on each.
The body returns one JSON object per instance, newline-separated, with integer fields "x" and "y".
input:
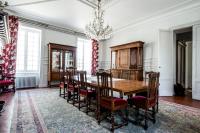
{"x": 184, "y": 100}
{"x": 6, "y": 117}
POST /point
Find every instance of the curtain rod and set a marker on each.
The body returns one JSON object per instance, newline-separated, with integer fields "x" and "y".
{"x": 51, "y": 27}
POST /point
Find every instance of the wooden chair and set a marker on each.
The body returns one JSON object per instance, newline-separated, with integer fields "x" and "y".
{"x": 73, "y": 70}
{"x": 6, "y": 81}
{"x": 145, "y": 93}
{"x": 107, "y": 101}
{"x": 63, "y": 84}
{"x": 2, "y": 103}
{"x": 149, "y": 101}
{"x": 83, "y": 91}
{"x": 71, "y": 87}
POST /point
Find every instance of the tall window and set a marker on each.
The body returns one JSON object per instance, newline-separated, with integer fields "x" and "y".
{"x": 84, "y": 55}
{"x": 28, "y": 50}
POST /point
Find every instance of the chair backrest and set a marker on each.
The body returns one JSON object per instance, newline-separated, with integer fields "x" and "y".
{"x": 68, "y": 78}
{"x": 73, "y": 70}
{"x": 146, "y": 74}
{"x": 153, "y": 85}
{"x": 1, "y": 73}
{"x": 82, "y": 79}
{"x": 104, "y": 81}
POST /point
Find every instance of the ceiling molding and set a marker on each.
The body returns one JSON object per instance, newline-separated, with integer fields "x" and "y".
{"x": 31, "y": 3}
{"x": 111, "y": 4}
{"x": 51, "y": 27}
{"x": 105, "y": 3}
{"x": 88, "y": 3}
{"x": 160, "y": 14}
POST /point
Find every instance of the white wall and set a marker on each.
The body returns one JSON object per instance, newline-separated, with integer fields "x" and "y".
{"x": 148, "y": 31}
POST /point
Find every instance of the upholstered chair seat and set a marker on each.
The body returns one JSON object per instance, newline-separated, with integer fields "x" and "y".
{"x": 107, "y": 102}
{"x": 89, "y": 93}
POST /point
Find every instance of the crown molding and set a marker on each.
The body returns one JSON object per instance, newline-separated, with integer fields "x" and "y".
{"x": 88, "y": 3}
{"x": 159, "y": 15}
{"x": 50, "y": 26}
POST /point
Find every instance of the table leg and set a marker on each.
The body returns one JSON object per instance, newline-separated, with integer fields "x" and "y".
{"x": 121, "y": 95}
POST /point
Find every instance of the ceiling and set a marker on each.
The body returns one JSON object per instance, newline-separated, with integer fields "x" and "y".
{"x": 75, "y": 14}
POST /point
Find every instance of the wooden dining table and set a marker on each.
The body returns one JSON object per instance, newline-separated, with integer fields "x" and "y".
{"x": 123, "y": 86}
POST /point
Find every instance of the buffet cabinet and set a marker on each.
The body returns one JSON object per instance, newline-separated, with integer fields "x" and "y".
{"x": 60, "y": 57}
{"x": 127, "y": 60}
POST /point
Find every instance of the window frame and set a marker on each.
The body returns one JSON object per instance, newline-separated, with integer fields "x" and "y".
{"x": 27, "y": 30}
{"x": 83, "y": 41}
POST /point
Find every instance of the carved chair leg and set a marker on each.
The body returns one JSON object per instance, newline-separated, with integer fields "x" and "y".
{"x": 64, "y": 92}
{"x": 112, "y": 121}
{"x": 68, "y": 96}
{"x": 60, "y": 91}
{"x": 126, "y": 117}
{"x": 136, "y": 115}
{"x": 154, "y": 114}
{"x": 145, "y": 120}
{"x": 79, "y": 102}
{"x": 87, "y": 99}
{"x": 157, "y": 107}
{"x": 73, "y": 98}
{"x": 98, "y": 116}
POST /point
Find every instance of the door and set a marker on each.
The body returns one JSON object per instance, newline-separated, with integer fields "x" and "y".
{"x": 196, "y": 63}
{"x": 180, "y": 63}
{"x": 166, "y": 65}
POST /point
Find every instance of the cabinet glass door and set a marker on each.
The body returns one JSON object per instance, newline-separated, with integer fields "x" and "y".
{"x": 56, "y": 61}
{"x": 69, "y": 59}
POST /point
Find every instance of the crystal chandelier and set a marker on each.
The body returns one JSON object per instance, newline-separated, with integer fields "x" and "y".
{"x": 95, "y": 29}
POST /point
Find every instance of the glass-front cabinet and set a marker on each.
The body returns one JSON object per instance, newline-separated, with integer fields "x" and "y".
{"x": 60, "y": 57}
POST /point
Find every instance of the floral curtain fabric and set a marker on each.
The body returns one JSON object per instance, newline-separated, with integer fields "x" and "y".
{"x": 10, "y": 49}
{"x": 95, "y": 47}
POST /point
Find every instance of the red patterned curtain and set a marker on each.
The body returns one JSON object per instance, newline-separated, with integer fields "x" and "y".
{"x": 95, "y": 48}
{"x": 10, "y": 49}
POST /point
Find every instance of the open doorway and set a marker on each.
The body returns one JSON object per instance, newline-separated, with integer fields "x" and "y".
{"x": 183, "y": 86}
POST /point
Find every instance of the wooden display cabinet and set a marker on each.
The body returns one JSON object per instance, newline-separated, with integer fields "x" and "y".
{"x": 60, "y": 57}
{"x": 128, "y": 59}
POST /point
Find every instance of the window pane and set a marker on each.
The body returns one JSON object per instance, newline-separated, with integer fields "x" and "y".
{"x": 84, "y": 55}
{"x": 87, "y": 56}
{"x": 80, "y": 55}
{"x": 20, "y": 50}
{"x": 28, "y": 48}
{"x": 33, "y": 51}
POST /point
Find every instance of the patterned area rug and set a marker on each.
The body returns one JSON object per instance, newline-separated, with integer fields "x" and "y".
{"x": 43, "y": 111}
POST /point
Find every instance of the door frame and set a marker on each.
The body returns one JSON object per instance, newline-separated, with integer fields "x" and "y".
{"x": 175, "y": 52}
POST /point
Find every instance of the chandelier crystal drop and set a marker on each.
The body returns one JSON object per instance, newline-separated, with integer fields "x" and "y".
{"x": 96, "y": 29}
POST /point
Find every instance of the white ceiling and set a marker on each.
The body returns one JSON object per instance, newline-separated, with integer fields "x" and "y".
{"x": 75, "y": 14}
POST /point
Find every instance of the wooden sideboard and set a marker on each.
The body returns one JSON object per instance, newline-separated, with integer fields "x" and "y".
{"x": 127, "y": 60}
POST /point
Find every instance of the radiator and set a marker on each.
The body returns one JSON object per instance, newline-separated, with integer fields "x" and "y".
{"x": 25, "y": 82}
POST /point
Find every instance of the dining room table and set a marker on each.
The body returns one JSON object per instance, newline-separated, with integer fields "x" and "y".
{"x": 123, "y": 86}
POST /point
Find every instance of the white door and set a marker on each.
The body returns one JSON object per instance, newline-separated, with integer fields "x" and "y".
{"x": 196, "y": 63}
{"x": 166, "y": 65}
